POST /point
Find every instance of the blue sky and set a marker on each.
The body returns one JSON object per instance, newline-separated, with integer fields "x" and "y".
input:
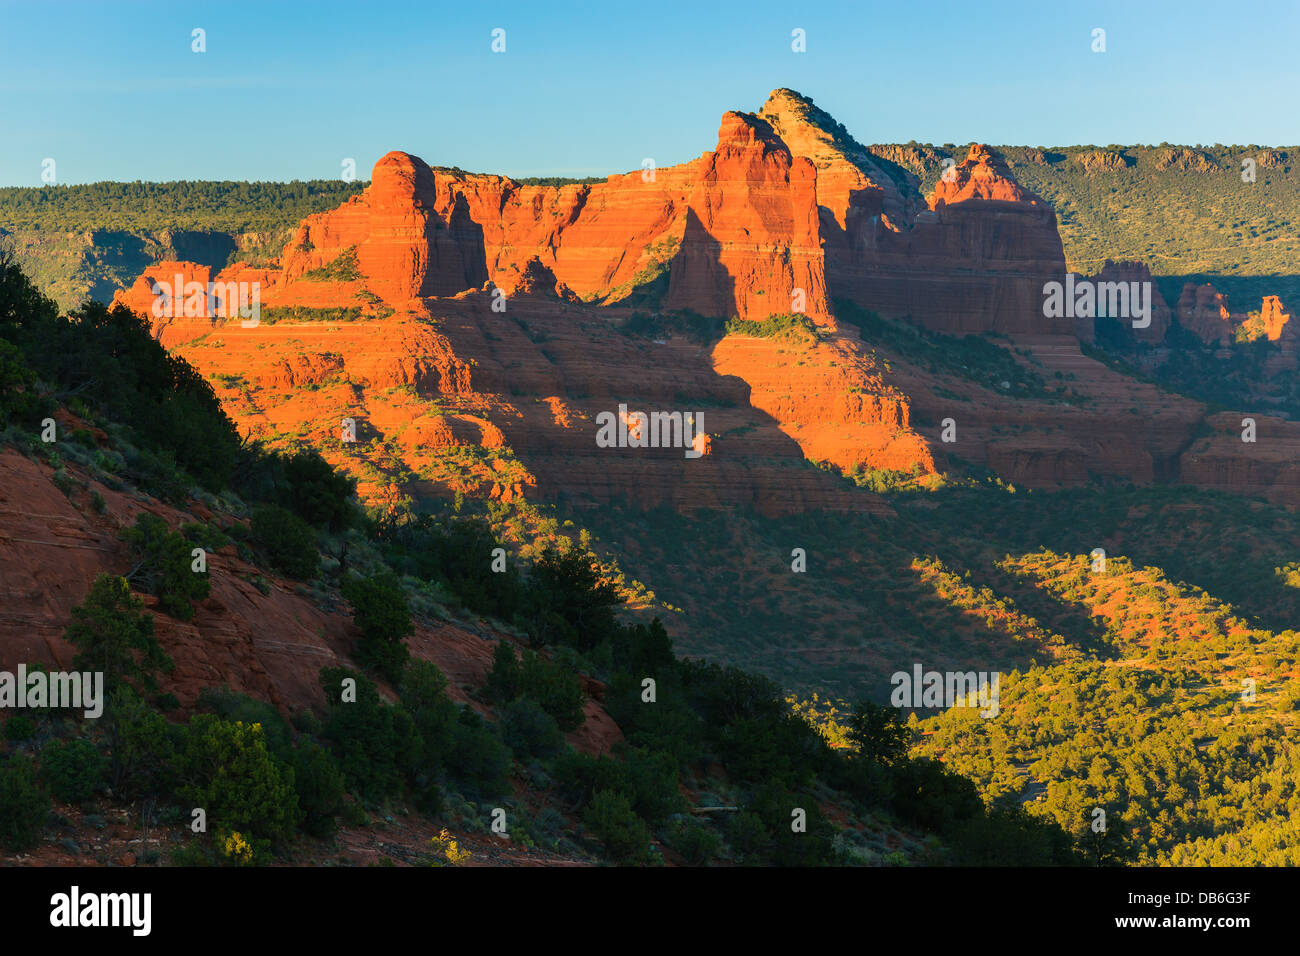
{"x": 288, "y": 90}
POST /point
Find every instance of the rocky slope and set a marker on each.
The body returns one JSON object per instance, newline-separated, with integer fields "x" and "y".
{"x": 269, "y": 642}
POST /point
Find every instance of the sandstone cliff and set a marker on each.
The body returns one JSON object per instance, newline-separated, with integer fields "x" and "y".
{"x": 977, "y": 261}
{"x": 851, "y": 182}
{"x": 751, "y": 243}
{"x": 1275, "y": 318}
{"x": 972, "y": 258}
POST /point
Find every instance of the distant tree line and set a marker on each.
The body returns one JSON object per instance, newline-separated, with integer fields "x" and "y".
{"x": 224, "y": 206}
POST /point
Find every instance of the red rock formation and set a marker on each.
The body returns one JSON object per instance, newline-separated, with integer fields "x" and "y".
{"x": 751, "y": 238}
{"x": 833, "y": 400}
{"x": 732, "y": 233}
{"x": 536, "y": 279}
{"x": 1274, "y": 317}
{"x": 984, "y": 174}
{"x": 735, "y": 231}
{"x": 850, "y": 181}
{"x": 236, "y": 294}
{"x": 1203, "y": 311}
{"x": 978, "y": 261}
{"x": 738, "y": 231}
{"x": 1138, "y": 272}
{"x": 406, "y": 246}
{"x": 1270, "y": 466}
{"x": 593, "y": 238}
{"x": 176, "y": 314}
{"x": 544, "y": 383}
{"x": 1286, "y": 333}
{"x": 975, "y": 260}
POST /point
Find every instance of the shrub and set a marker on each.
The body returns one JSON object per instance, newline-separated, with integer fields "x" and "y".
{"x": 207, "y": 536}
{"x": 17, "y": 382}
{"x": 784, "y": 748}
{"x": 380, "y": 610}
{"x": 226, "y": 769}
{"x": 788, "y": 326}
{"x": 164, "y": 566}
{"x": 74, "y": 769}
{"x": 456, "y": 553}
{"x": 670, "y": 726}
{"x": 748, "y": 836}
{"x": 446, "y": 846}
{"x": 302, "y": 313}
{"x": 435, "y": 716}
{"x": 785, "y": 846}
{"x": 235, "y": 848}
{"x": 555, "y": 690}
{"x": 320, "y": 787}
{"x": 341, "y": 269}
{"x": 625, "y": 836}
{"x": 530, "y": 731}
{"x": 505, "y": 681}
{"x": 722, "y": 694}
{"x": 479, "y": 761}
{"x": 19, "y": 727}
{"x": 112, "y": 358}
{"x": 240, "y": 708}
{"x": 881, "y": 480}
{"x": 572, "y": 602}
{"x": 646, "y": 778}
{"x": 368, "y": 736}
{"x": 1008, "y": 836}
{"x": 287, "y": 541}
{"x": 698, "y": 845}
{"x": 935, "y": 798}
{"x": 317, "y": 493}
{"x": 141, "y": 745}
{"x": 114, "y": 637}
{"x": 157, "y": 474}
{"x": 24, "y": 806}
{"x": 642, "y": 650}
{"x": 878, "y": 733}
